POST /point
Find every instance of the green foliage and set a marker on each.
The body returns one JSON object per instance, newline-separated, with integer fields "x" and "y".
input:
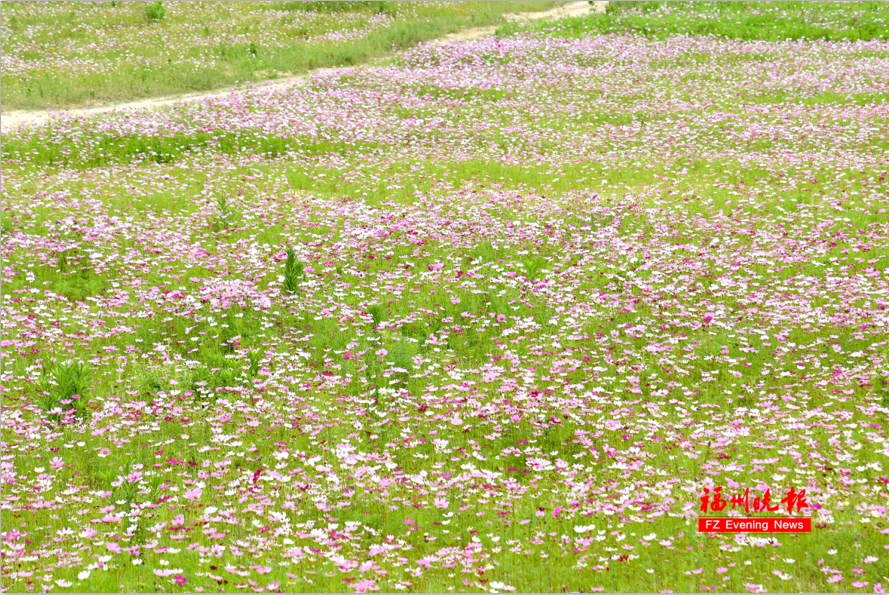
{"x": 376, "y": 311}
{"x": 224, "y": 213}
{"x": 65, "y": 386}
{"x": 293, "y": 272}
{"x": 533, "y": 267}
{"x": 880, "y": 386}
{"x": 402, "y": 353}
{"x": 155, "y": 11}
{"x": 255, "y": 357}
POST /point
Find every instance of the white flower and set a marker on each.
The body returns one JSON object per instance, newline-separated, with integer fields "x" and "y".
{"x": 63, "y": 583}
{"x": 83, "y": 575}
{"x": 136, "y": 561}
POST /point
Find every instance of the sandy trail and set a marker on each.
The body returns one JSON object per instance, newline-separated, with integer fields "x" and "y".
{"x": 15, "y": 119}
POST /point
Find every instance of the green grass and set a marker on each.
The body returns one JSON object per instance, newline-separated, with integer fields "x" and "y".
{"x": 768, "y": 21}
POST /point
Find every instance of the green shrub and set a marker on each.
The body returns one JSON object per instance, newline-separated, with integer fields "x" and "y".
{"x": 293, "y": 272}
{"x": 155, "y": 11}
{"x": 377, "y": 313}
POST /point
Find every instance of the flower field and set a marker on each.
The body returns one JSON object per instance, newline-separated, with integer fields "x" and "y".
{"x": 489, "y": 316}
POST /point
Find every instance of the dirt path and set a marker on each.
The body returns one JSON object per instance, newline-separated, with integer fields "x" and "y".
{"x": 570, "y": 9}
{"x": 15, "y": 119}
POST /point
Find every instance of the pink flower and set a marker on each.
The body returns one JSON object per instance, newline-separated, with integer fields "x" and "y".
{"x": 835, "y": 578}
{"x": 860, "y": 584}
{"x": 88, "y": 533}
{"x": 501, "y": 318}
{"x": 365, "y": 585}
{"x": 180, "y": 580}
{"x": 194, "y": 494}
